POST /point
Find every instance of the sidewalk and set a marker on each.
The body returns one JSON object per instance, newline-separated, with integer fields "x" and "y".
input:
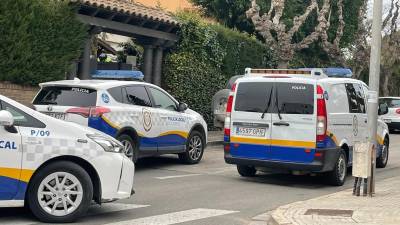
{"x": 215, "y": 138}
{"x": 344, "y": 208}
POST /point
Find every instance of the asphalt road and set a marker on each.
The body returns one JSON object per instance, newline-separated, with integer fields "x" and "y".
{"x": 211, "y": 192}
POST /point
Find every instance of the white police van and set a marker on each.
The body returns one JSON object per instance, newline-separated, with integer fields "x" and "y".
{"x": 304, "y": 121}
{"x": 145, "y": 118}
{"x": 57, "y": 168}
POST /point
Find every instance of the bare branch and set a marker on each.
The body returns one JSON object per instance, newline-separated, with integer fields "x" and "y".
{"x": 299, "y": 20}
{"x": 339, "y": 32}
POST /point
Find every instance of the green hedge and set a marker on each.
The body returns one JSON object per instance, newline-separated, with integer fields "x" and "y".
{"x": 206, "y": 56}
{"x": 39, "y": 39}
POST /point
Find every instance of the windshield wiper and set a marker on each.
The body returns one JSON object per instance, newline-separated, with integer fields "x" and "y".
{"x": 268, "y": 104}
{"x": 277, "y": 104}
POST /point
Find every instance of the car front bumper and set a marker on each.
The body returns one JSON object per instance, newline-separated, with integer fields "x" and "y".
{"x": 324, "y": 163}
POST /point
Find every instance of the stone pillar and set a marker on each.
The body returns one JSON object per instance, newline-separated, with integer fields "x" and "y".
{"x": 85, "y": 72}
{"x": 148, "y": 63}
{"x": 158, "y": 58}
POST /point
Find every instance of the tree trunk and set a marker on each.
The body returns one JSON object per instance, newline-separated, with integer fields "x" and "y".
{"x": 385, "y": 85}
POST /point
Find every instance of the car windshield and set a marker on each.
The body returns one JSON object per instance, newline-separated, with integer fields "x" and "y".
{"x": 391, "y": 102}
{"x": 66, "y": 96}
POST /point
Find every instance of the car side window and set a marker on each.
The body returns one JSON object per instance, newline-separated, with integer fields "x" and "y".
{"x": 356, "y": 98}
{"x": 116, "y": 93}
{"x": 161, "y": 100}
{"x": 137, "y": 95}
{"x": 21, "y": 118}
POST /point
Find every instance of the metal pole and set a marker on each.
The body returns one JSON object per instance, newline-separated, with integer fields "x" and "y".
{"x": 374, "y": 73}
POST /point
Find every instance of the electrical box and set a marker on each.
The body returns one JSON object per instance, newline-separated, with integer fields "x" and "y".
{"x": 362, "y": 159}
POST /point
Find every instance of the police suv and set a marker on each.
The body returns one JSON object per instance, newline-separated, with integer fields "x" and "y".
{"x": 304, "y": 121}
{"x": 145, "y": 118}
{"x": 57, "y": 168}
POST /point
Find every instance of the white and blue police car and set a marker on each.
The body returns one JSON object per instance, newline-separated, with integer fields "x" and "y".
{"x": 145, "y": 118}
{"x": 303, "y": 121}
{"x": 57, "y": 168}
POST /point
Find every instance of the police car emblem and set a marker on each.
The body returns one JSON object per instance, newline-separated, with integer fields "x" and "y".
{"x": 146, "y": 120}
{"x": 105, "y": 98}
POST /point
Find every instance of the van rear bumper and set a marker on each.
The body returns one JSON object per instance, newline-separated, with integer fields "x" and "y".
{"x": 324, "y": 163}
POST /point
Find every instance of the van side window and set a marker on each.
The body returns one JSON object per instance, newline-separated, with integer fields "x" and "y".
{"x": 338, "y": 102}
{"x": 21, "y": 118}
{"x": 356, "y": 98}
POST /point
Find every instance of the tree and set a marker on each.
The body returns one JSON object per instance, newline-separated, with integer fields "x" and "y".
{"x": 39, "y": 40}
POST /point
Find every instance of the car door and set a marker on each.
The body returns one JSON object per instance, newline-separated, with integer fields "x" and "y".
{"x": 357, "y": 110}
{"x": 169, "y": 123}
{"x": 139, "y": 105}
{"x": 251, "y": 119}
{"x": 27, "y": 131}
{"x": 293, "y": 131}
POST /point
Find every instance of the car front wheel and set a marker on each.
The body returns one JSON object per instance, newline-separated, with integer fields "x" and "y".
{"x": 194, "y": 148}
{"x": 382, "y": 160}
{"x": 60, "y": 192}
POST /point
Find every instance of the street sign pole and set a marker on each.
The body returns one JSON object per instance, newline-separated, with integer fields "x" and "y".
{"x": 374, "y": 73}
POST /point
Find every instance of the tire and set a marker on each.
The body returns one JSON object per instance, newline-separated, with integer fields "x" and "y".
{"x": 246, "y": 171}
{"x": 337, "y": 176}
{"x": 131, "y": 148}
{"x": 45, "y": 179}
{"x": 195, "y": 145}
{"x": 382, "y": 160}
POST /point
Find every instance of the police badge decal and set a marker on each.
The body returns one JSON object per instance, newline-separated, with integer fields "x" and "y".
{"x": 146, "y": 119}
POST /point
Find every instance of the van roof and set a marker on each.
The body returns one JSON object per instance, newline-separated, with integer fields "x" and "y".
{"x": 312, "y": 73}
{"x": 94, "y": 84}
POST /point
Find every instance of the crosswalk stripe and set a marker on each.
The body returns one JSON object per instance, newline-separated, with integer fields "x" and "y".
{"x": 177, "y": 176}
{"x": 93, "y": 210}
{"x": 175, "y": 217}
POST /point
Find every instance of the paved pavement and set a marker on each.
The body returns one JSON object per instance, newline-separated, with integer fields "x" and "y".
{"x": 344, "y": 208}
{"x": 212, "y": 192}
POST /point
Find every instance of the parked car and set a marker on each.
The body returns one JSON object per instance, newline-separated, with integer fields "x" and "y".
{"x": 145, "y": 118}
{"x": 57, "y": 168}
{"x": 392, "y": 118}
{"x": 304, "y": 121}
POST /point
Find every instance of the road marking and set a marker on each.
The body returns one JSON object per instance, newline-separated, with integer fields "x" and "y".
{"x": 176, "y": 217}
{"x": 93, "y": 210}
{"x": 177, "y": 176}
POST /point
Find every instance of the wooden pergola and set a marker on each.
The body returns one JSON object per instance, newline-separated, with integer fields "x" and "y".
{"x": 154, "y": 29}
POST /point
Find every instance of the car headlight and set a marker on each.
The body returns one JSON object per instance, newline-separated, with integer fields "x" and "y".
{"x": 108, "y": 144}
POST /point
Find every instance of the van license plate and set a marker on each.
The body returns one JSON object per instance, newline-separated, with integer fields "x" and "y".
{"x": 60, "y": 116}
{"x": 250, "y": 131}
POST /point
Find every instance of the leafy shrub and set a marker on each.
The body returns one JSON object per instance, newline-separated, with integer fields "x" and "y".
{"x": 205, "y": 58}
{"x": 39, "y": 40}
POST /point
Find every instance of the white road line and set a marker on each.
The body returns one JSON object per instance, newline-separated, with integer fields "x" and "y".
{"x": 93, "y": 210}
{"x": 177, "y": 176}
{"x": 176, "y": 217}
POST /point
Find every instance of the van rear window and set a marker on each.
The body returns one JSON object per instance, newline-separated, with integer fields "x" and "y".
{"x": 253, "y": 97}
{"x": 294, "y": 98}
{"x": 66, "y": 96}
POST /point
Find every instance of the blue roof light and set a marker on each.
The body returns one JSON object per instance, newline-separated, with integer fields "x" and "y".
{"x": 118, "y": 74}
{"x": 338, "y": 72}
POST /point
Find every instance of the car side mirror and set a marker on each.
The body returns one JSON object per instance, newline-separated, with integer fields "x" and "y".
{"x": 182, "y": 107}
{"x": 383, "y": 109}
{"x": 6, "y": 118}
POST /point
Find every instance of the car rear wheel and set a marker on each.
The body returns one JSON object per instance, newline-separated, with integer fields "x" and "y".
{"x": 246, "y": 171}
{"x": 382, "y": 160}
{"x": 130, "y": 147}
{"x": 61, "y": 192}
{"x": 194, "y": 148}
{"x": 337, "y": 177}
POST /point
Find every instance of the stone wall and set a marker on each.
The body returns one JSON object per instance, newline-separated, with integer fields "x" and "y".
{"x": 20, "y": 93}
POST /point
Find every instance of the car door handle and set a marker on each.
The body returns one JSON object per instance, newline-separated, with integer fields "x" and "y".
{"x": 281, "y": 124}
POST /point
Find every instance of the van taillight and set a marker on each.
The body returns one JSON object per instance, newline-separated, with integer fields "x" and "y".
{"x": 227, "y": 124}
{"x": 89, "y": 111}
{"x": 322, "y": 120}
{"x": 398, "y": 111}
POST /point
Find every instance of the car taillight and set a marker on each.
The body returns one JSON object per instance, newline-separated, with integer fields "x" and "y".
{"x": 227, "y": 124}
{"x": 89, "y": 111}
{"x": 398, "y": 111}
{"x": 321, "y": 115}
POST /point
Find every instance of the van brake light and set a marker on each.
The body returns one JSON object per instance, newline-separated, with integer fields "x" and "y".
{"x": 322, "y": 120}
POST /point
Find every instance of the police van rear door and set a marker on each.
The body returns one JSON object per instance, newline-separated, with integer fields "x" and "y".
{"x": 251, "y": 119}
{"x": 293, "y": 118}
{"x": 70, "y": 103}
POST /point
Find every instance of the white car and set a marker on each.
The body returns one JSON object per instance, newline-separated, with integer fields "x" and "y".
{"x": 57, "y": 168}
{"x": 145, "y": 118}
{"x": 304, "y": 121}
{"x": 392, "y": 118}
